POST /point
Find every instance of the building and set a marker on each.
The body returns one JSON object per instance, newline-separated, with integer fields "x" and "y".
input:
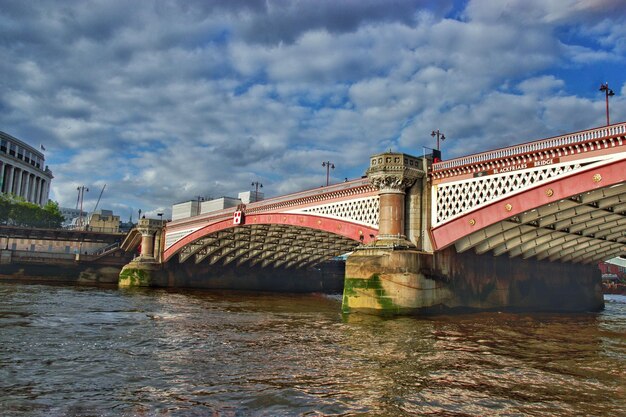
{"x": 69, "y": 214}
{"x": 23, "y": 171}
{"x": 615, "y": 266}
{"x": 103, "y": 221}
{"x": 248, "y": 197}
{"x": 218, "y": 204}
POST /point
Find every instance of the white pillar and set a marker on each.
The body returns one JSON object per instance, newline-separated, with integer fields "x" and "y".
{"x": 18, "y": 182}
{"x": 36, "y": 188}
{"x": 43, "y": 197}
{"x": 9, "y": 187}
{"x": 29, "y": 186}
{"x": 2, "y": 167}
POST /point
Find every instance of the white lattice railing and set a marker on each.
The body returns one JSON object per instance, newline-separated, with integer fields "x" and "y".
{"x": 360, "y": 210}
{"x": 531, "y": 147}
{"x": 456, "y": 198}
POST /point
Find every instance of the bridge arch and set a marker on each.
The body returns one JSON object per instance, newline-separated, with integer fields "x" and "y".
{"x": 278, "y": 239}
{"x": 575, "y": 218}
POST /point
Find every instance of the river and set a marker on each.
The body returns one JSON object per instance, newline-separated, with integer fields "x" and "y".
{"x": 79, "y": 351}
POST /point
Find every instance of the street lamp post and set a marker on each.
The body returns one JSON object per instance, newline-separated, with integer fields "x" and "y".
{"x": 329, "y": 165}
{"x": 607, "y": 93}
{"x": 257, "y": 185}
{"x": 439, "y": 136}
{"x": 160, "y": 217}
{"x": 81, "y": 195}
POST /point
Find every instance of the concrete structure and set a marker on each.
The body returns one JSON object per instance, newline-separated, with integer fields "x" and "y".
{"x": 185, "y": 210}
{"x": 23, "y": 171}
{"x": 248, "y": 197}
{"x": 216, "y": 204}
{"x": 192, "y": 208}
{"x": 56, "y": 240}
{"x": 103, "y": 221}
{"x": 426, "y": 237}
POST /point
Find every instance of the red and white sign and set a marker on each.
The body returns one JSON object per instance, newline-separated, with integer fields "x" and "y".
{"x": 238, "y": 217}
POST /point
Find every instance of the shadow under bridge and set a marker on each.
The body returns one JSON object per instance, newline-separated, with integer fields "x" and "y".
{"x": 276, "y": 240}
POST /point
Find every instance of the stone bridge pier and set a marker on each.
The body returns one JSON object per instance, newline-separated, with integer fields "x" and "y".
{"x": 141, "y": 270}
{"x": 399, "y": 273}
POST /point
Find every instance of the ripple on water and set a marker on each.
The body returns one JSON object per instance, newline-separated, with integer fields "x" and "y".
{"x": 88, "y": 351}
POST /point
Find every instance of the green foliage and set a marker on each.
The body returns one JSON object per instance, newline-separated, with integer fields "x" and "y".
{"x": 18, "y": 212}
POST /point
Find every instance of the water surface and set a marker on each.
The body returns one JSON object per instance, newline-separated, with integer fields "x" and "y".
{"x": 73, "y": 351}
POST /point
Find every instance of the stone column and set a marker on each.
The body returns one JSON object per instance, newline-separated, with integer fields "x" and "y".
{"x": 392, "y": 173}
{"x": 9, "y": 180}
{"x": 148, "y": 229}
{"x": 43, "y": 192}
{"x": 143, "y": 271}
{"x": 2, "y": 167}
{"x": 37, "y": 185}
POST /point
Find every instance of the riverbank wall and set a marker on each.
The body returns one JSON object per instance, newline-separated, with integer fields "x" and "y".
{"x": 62, "y": 268}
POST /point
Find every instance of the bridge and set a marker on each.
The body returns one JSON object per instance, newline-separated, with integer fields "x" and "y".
{"x": 559, "y": 200}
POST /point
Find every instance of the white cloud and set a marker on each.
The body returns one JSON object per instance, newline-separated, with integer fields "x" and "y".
{"x": 172, "y": 100}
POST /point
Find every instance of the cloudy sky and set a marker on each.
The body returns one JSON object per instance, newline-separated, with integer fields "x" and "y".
{"x": 164, "y": 101}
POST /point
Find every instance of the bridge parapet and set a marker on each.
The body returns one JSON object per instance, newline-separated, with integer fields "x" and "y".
{"x": 536, "y": 153}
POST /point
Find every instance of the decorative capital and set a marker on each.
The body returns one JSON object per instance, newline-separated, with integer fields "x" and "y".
{"x": 149, "y": 226}
{"x": 394, "y": 172}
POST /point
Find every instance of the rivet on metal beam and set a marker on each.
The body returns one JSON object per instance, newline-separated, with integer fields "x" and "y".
{"x": 508, "y": 207}
{"x": 597, "y": 178}
{"x": 472, "y": 222}
{"x": 549, "y": 192}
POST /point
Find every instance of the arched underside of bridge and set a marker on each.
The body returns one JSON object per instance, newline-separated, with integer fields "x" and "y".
{"x": 578, "y": 219}
{"x": 277, "y": 240}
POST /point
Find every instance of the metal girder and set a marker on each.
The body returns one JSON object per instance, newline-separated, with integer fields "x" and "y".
{"x": 606, "y": 255}
{"x": 513, "y": 239}
{"x": 596, "y": 195}
{"x": 242, "y": 251}
{"x": 207, "y": 251}
{"x": 236, "y": 245}
{"x": 193, "y": 247}
{"x": 480, "y": 236}
{"x": 544, "y": 211}
{"x": 597, "y": 253}
{"x": 602, "y": 227}
{"x": 222, "y": 241}
{"x": 531, "y": 240}
{"x": 618, "y": 231}
{"x": 515, "y": 247}
{"x": 582, "y": 228}
{"x": 591, "y": 250}
{"x": 581, "y": 222}
{"x": 566, "y": 218}
{"x": 315, "y": 260}
{"x": 570, "y": 240}
{"x": 553, "y": 240}
{"x": 612, "y": 201}
{"x": 572, "y": 251}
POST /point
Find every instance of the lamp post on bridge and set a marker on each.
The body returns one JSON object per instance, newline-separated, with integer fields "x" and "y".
{"x": 256, "y": 185}
{"x": 607, "y": 92}
{"x": 439, "y": 136}
{"x": 328, "y": 166}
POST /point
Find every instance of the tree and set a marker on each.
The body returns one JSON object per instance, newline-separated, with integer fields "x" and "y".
{"x": 16, "y": 211}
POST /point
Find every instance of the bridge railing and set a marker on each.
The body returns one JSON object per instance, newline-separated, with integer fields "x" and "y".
{"x": 536, "y": 146}
{"x": 277, "y": 202}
